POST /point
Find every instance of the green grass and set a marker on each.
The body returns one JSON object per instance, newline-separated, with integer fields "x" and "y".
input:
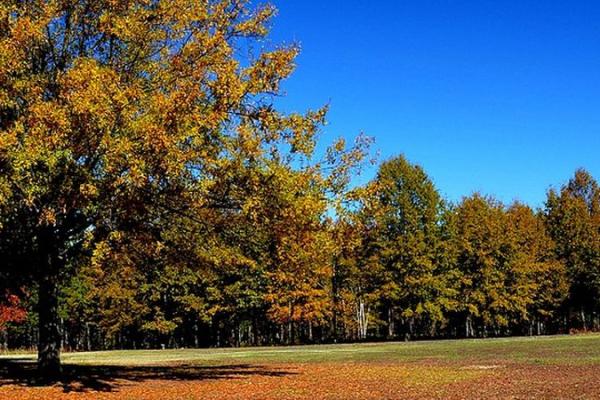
{"x": 555, "y": 350}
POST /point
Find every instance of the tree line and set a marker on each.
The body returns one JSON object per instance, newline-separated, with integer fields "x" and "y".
{"x": 152, "y": 195}
{"x": 397, "y": 263}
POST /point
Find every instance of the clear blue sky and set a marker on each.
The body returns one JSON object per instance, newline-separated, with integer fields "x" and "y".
{"x": 501, "y": 97}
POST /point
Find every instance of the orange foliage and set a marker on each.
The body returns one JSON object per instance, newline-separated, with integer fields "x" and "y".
{"x": 12, "y": 311}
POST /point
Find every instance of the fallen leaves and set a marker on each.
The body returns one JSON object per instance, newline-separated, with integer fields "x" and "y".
{"x": 328, "y": 380}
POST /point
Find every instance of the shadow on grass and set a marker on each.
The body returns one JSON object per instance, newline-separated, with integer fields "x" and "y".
{"x": 99, "y": 378}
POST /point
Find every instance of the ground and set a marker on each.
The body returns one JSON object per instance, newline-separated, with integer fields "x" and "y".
{"x": 558, "y": 367}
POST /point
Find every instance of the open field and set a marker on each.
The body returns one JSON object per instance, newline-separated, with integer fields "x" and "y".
{"x": 517, "y": 368}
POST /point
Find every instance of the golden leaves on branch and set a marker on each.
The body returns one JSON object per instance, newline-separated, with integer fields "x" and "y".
{"x": 139, "y": 129}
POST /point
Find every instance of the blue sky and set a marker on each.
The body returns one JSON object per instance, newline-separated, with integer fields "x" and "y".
{"x": 501, "y": 97}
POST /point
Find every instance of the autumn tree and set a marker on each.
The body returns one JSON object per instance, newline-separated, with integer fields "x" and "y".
{"x": 11, "y": 311}
{"x": 298, "y": 273}
{"x": 117, "y": 116}
{"x": 407, "y": 232}
{"x": 357, "y": 274}
{"x": 483, "y": 261}
{"x": 509, "y": 273}
{"x": 573, "y": 220}
{"x": 537, "y": 278}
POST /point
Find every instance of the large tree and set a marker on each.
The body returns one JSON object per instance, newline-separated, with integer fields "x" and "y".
{"x": 509, "y": 273}
{"x": 407, "y": 222}
{"x": 573, "y": 220}
{"x": 537, "y": 278}
{"x": 484, "y": 261}
{"x": 122, "y": 121}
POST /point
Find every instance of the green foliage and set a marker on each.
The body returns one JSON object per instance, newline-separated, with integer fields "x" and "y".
{"x": 573, "y": 220}
{"x": 151, "y": 193}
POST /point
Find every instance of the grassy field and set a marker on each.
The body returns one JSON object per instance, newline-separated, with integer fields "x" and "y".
{"x": 515, "y": 368}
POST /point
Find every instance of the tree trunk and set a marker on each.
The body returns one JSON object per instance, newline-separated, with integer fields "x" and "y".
{"x": 582, "y": 314}
{"x": 49, "y": 322}
{"x": 49, "y": 327}
{"x": 255, "y": 333}
{"x": 3, "y": 339}
{"x": 531, "y": 328}
{"x": 390, "y": 323}
{"x": 362, "y": 318}
{"x": 88, "y": 345}
{"x": 291, "y": 324}
{"x": 468, "y": 327}
{"x": 196, "y": 338}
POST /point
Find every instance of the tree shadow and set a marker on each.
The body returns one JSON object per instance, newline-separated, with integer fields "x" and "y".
{"x": 108, "y": 378}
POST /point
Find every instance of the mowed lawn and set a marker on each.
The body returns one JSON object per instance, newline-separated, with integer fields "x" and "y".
{"x": 517, "y": 368}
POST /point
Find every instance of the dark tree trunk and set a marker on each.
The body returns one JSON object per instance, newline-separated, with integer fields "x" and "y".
{"x": 49, "y": 322}
{"x": 49, "y": 328}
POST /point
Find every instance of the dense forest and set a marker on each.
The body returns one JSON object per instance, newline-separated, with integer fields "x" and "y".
{"x": 152, "y": 195}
